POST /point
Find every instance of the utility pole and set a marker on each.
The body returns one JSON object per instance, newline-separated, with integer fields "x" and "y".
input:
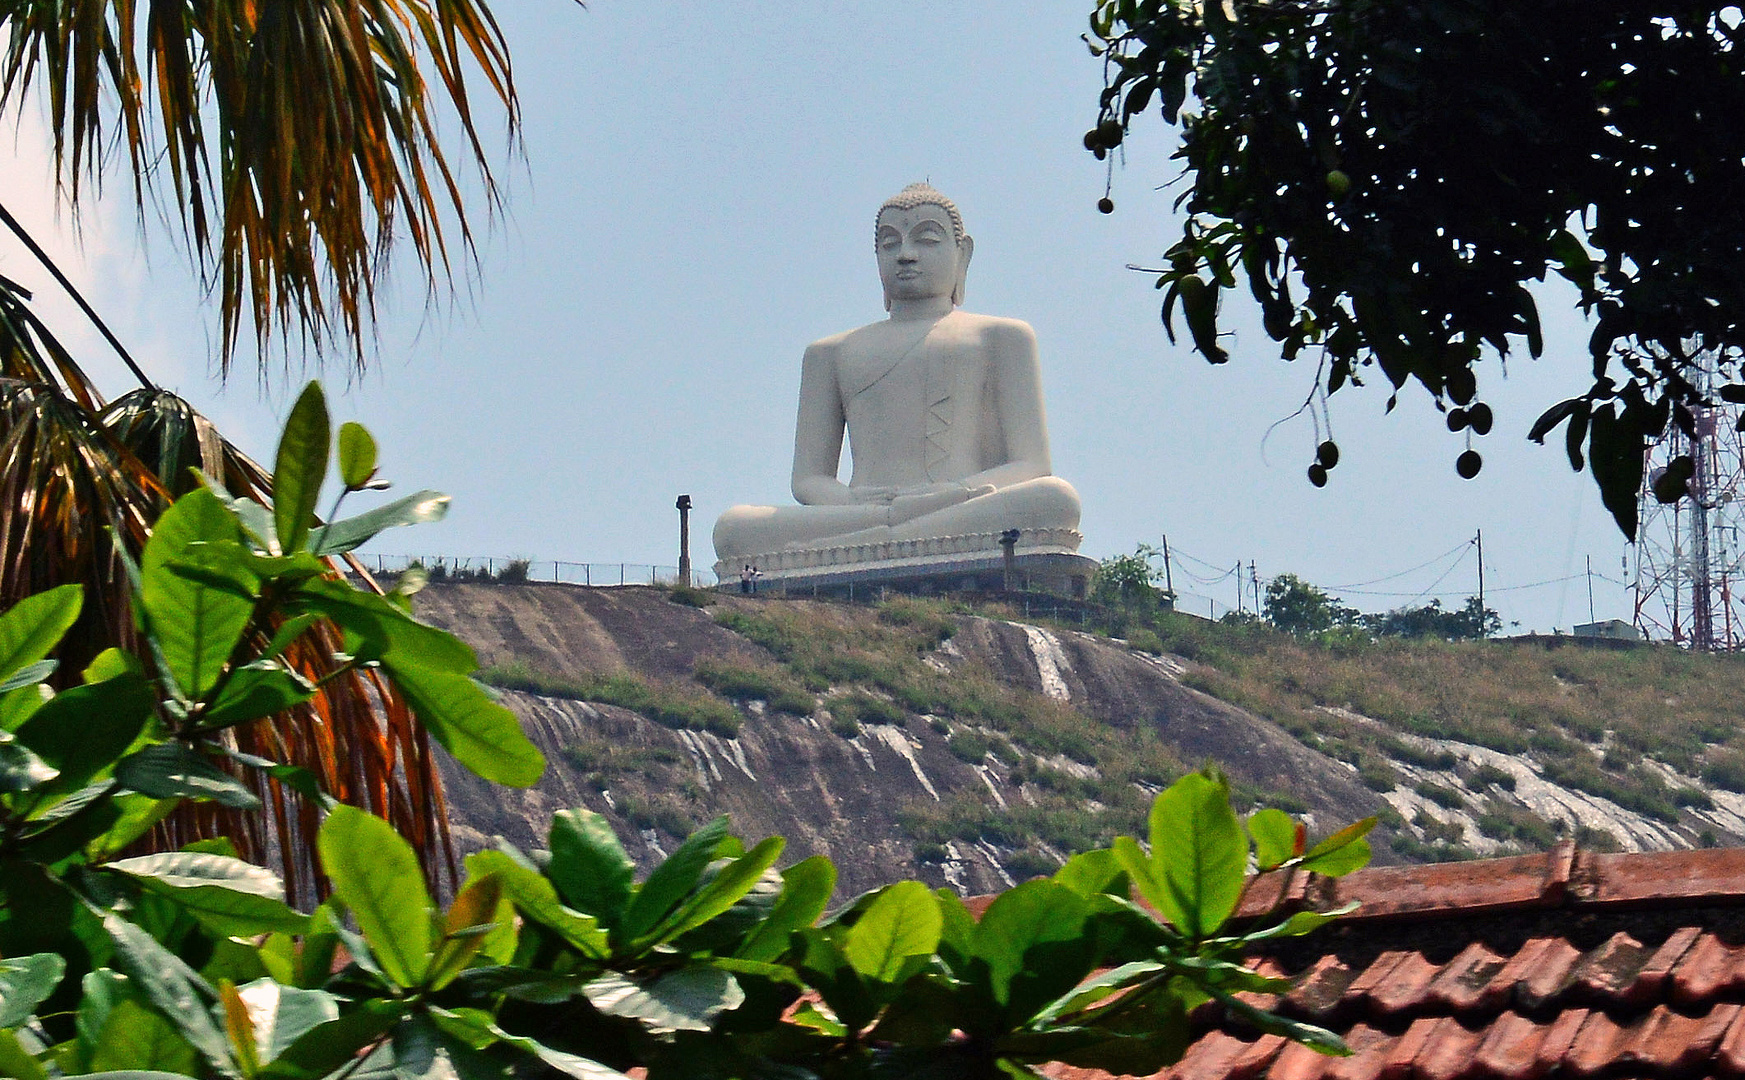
{"x": 1479, "y": 540}
{"x": 1591, "y": 617}
{"x": 1254, "y": 579}
{"x": 684, "y": 507}
{"x": 1168, "y": 578}
{"x": 1239, "y": 598}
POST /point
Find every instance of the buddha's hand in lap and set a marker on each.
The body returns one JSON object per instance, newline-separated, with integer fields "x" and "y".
{"x": 915, "y": 504}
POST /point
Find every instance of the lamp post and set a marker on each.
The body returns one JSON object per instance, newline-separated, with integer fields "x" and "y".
{"x": 1009, "y": 541}
{"x": 684, "y": 508}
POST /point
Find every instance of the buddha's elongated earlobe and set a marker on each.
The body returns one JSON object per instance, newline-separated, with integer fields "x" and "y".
{"x": 965, "y": 248}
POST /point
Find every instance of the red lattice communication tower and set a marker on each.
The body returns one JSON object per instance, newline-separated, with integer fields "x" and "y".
{"x": 1690, "y": 555}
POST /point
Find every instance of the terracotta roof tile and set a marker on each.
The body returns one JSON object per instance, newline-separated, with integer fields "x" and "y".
{"x": 1369, "y": 1048}
{"x": 1376, "y": 974}
{"x": 1398, "y": 1058}
{"x": 1298, "y": 1062}
{"x": 1406, "y": 987}
{"x": 1731, "y": 1053}
{"x": 1560, "y": 1036}
{"x": 1320, "y": 988}
{"x": 1707, "y": 969}
{"x": 1714, "y": 1028}
{"x": 1608, "y": 970}
{"x": 1447, "y": 1052}
{"x": 1468, "y": 981}
{"x": 1254, "y": 1060}
{"x": 1662, "y": 1040}
{"x": 1210, "y": 1059}
{"x": 1510, "y": 1049}
{"x": 1650, "y": 982}
{"x": 1595, "y": 1047}
{"x": 1548, "y": 974}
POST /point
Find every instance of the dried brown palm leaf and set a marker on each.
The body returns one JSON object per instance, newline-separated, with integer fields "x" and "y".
{"x": 299, "y": 138}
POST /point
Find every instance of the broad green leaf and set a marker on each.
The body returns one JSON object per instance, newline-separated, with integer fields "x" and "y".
{"x": 229, "y": 897}
{"x": 1090, "y": 873}
{"x": 261, "y": 689}
{"x": 329, "y": 1047}
{"x": 138, "y": 814}
{"x": 177, "y": 991}
{"x": 723, "y": 891}
{"x": 376, "y": 874}
{"x": 904, "y": 922}
{"x": 1099, "y": 988}
{"x": 135, "y": 1037}
{"x": 671, "y": 881}
{"x": 172, "y": 771}
{"x": 806, "y": 889}
{"x": 347, "y": 535}
{"x": 31, "y": 628}
{"x": 195, "y": 625}
{"x": 16, "y": 1061}
{"x": 1315, "y": 1038}
{"x": 1301, "y": 923}
{"x": 1275, "y": 837}
{"x": 239, "y": 1029}
{"x": 29, "y": 675}
{"x": 82, "y": 731}
{"x": 357, "y": 455}
{"x": 826, "y": 969}
{"x": 112, "y": 663}
{"x": 1033, "y": 941}
{"x": 287, "y": 633}
{"x": 20, "y": 768}
{"x": 283, "y": 1014}
{"x": 20, "y": 705}
{"x": 481, "y": 734}
{"x": 393, "y": 633}
{"x": 1199, "y": 852}
{"x": 1341, "y": 853}
{"x": 25, "y": 983}
{"x": 533, "y": 895}
{"x": 689, "y": 999}
{"x": 588, "y": 866}
{"x": 956, "y": 932}
{"x": 300, "y": 466}
{"x": 475, "y": 1028}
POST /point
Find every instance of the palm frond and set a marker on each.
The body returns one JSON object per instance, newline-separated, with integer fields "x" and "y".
{"x": 298, "y": 138}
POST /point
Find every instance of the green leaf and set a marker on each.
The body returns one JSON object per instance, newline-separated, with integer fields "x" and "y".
{"x": 176, "y": 990}
{"x": 481, "y": 734}
{"x": 535, "y": 898}
{"x": 1315, "y": 1038}
{"x": 375, "y": 873}
{"x": 17, "y": 1062}
{"x": 299, "y": 467}
{"x": 466, "y": 926}
{"x": 283, "y": 1014}
{"x": 287, "y": 633}
{"x": 172, "y": 771}
{"x": 82, "y": 731}
{"x": 20, "y": 769}
{"x": 329, "y": 1047}
{"x": 588, "y": 866}
{"x": 1200, "y": 854}
{"x": 723, "y": 891}
{"x": 29, "y": 675}
{"x": 34, "y": 626}
{"x": 672, "y": 881}
{"x": 346, "y": 535}
{"x": 135, "y": 1037}
{"x": 1275, "y": 837}
{"x": 904, "y": 922}
{"x": 1091, "y": 873}
{"x": 393, "y": 633}
{"x": 260, "y": 689}
{"x": 688, "y": 999}
{"x": 1033, "y": 940}
{"x": 112, "y": 663}
{"x": 1301, "y": 923}
{"x": 138, "y": 813}
{"x": 25, "y": 983}
{"x": 21, "y": 704}
{"x": 1341, "y": 853}
{"x": 806, "y": 889}
{"x": 229, "y": 897}
{"x": 196, "y": 625}
{"x": 357, "y": 455}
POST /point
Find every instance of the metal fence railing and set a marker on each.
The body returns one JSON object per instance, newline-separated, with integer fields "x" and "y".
{"x": 508, "y": 569}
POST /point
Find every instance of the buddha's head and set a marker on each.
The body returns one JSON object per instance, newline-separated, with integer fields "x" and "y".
{"x": 922, "y": 248}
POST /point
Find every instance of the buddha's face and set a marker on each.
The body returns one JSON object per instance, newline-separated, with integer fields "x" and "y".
{"x": 918, "y": 252}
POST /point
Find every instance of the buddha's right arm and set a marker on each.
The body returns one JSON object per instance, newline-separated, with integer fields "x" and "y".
{"x": 818, "y": 433}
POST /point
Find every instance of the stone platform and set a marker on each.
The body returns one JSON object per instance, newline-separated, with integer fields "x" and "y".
{"x": 1046, "y": 560}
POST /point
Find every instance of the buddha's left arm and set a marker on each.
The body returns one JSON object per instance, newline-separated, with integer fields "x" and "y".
{"x": 1015, "y": 376}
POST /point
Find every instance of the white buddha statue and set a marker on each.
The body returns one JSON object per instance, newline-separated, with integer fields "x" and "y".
{"x": 943, "y": 412}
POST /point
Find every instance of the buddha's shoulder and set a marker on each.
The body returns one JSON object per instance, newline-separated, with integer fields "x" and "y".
{"x": 995, "y": 327}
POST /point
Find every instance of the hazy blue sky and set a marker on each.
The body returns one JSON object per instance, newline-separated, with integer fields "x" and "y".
{"x": 696, "y": 206}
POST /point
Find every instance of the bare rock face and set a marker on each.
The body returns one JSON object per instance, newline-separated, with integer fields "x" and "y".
{"x": 1073, "y": 735}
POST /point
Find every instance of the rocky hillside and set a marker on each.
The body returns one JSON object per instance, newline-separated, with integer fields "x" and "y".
{"x": 919, "y": 739}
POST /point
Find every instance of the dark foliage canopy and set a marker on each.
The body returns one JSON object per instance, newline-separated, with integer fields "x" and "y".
{"x": 1387, "y": 178}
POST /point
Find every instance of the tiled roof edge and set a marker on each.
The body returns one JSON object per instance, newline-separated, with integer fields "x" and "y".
{"x": 1564, "y": 877}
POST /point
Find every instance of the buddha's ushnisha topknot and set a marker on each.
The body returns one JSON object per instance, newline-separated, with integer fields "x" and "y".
{"x": 923, "y": 194}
